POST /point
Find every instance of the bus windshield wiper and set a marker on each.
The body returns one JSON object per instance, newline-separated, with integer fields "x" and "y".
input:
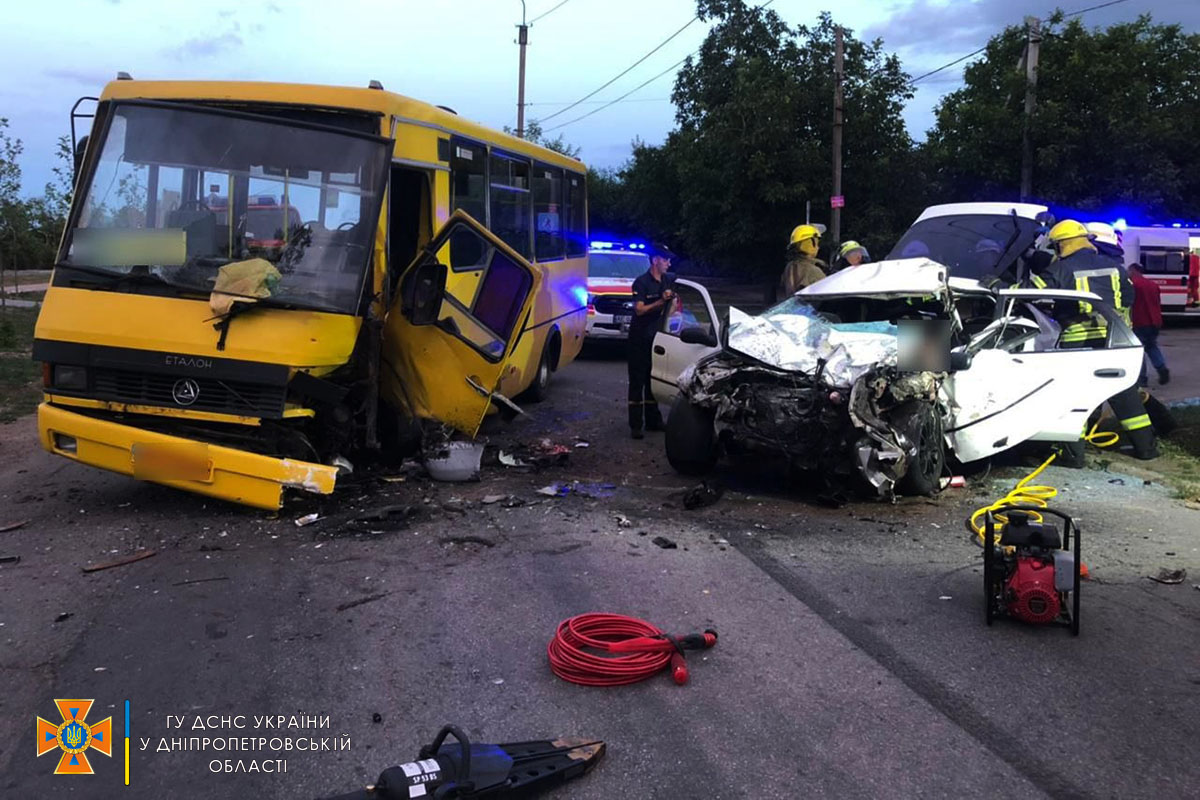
{"x": 114, "y": 279}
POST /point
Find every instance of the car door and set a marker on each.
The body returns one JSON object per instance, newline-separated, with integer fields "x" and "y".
{"x": 446, "y": 345}
{"x": 1032, "y": 388}
{"x": 692, "y": 308}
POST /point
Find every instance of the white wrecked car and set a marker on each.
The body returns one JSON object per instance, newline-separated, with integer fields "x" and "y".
{"x": 826, "y": 381}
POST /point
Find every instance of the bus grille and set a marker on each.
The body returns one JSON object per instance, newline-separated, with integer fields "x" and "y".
{"x": 614, "y": 304}
{"x": 220, "y": 396}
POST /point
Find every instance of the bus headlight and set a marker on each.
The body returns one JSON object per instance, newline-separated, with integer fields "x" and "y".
{"x": 68, "y": 376}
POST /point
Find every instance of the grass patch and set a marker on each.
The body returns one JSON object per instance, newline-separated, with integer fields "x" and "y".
{"x": 1178, "y": 463}
{"x": 20, "y": 378}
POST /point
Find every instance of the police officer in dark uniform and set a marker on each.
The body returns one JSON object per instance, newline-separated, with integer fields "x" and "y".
{"x": 651, "y": 298}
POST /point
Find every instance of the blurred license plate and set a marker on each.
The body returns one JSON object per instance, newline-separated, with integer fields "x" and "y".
{"x": 623, "y": 319}
{"x": 171, "y": 461}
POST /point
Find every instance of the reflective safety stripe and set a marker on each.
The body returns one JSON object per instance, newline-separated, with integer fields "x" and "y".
{"x": 1085, "y": 331}
{"x": 1038, "y": 281}
{"x": 1081, "y": 285}
{"x": 1136, "y": 423}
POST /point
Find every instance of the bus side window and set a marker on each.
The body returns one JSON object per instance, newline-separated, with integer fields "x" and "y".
{"x": 576, "y": 215}
{"x": 511, "y": 217}
{"x": 468, "y": 191}
{"x": 548, "y": 212}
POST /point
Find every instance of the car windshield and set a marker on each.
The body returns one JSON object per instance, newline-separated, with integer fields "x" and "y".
{"x": 617, "y": 265}
{"x": 973, "y": 246}
{"x": 179, "y": 193}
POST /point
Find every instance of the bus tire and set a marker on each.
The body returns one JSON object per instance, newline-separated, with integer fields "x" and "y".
{"x": 691, "y": 438}
{"x": 540, "y": 388}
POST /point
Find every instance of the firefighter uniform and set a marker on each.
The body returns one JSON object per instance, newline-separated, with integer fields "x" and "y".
{"x": 1079, "y": 266}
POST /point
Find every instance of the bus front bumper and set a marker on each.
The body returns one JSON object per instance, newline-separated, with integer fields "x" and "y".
{"x": 230, "y": 474}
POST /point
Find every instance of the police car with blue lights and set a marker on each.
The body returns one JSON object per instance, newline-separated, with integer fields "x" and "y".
{"x": 612, "y": 268}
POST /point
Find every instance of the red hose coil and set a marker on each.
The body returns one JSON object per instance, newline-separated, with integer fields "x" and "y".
{"x": 644, "y": 650}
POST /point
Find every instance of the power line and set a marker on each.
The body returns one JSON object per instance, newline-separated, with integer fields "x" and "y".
{"x": 597, "y": 102}
{"x": 619, "y": 99}
{"x": 634, "y": 89}
{"x": 980, "y": 50}
{"x": 1092, "y": 8}
{"x": 548, "y": 13}
{"x": 625, "y": 71}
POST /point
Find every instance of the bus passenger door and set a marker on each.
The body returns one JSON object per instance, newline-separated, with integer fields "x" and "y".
{"x": 446, "y": 344}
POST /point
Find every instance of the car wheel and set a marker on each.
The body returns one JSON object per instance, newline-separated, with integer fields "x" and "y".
{"x": 925, "y": 470}
{"x": 691, "y": 438}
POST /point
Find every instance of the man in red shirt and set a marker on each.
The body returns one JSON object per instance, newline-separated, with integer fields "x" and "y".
{"x": 1147, "y": 321}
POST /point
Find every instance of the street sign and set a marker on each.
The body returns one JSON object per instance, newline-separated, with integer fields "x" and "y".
{"x": 837, "y": 201}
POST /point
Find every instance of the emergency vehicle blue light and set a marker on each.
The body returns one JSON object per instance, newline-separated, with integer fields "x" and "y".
{"x": 1176, "y": 224}
{"x": 581, "y": 295}
{"x": 602, "y": 245}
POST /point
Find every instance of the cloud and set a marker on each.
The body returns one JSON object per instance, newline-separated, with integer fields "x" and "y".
{"x": 206, "y": 46}
{"x": 91, "y": 77}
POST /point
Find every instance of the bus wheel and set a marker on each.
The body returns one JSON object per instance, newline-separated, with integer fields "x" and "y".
{"x": 540, "y": 388}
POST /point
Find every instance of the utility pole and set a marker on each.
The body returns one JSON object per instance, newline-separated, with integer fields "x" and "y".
{"x": 1033, "y": 41}
{"x": 522, "y": 40}
{"x": 835, "y": 211}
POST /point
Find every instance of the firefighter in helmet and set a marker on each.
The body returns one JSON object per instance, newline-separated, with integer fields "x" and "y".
{"x": 1077, "y": 265}
{"x": 803, "y": 266}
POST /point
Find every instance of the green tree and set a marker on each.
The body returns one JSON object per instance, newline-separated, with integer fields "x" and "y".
{"x": 1116, "y": 121}
{"x": 755, "y": 110}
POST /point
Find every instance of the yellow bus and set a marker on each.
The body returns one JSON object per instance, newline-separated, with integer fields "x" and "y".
{"x": 259, "y": 282}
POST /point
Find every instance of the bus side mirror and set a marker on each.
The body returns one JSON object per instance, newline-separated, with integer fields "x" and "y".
{"x": 80, "y": 149}
{"x": 421, "y": 292}
{"x": 960, "y": 360}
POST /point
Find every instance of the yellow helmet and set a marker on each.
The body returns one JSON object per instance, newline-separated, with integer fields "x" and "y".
{"x": 803, "y": 233}
{"x": 1067, "y": 229}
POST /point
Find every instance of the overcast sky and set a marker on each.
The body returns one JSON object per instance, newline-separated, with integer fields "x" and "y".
{"x": 459, "y": 53}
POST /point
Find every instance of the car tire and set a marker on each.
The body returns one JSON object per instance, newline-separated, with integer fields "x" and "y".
{"x": 924, "y": 475}
{"x": 691, "y": 438}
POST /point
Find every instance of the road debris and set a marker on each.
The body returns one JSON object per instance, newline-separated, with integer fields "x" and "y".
{"x": 623, "y": 521}
{"x": 455, "y": 462}
{"x": 555, "y": 490}
{"x": 954, "y": 482}
{"x": 702, "y": 495}
{"x": 946, "y": 597}
{"x": 201, "y": 580}
{"x": 362, "y": 601}
{"x": 307, "y": 519}
{"x": 1169, "y": 576}
{"x": 12, "y": 526}
{"x": 492, "y": 499}
{"x": 497, "y": 681}
{"x": 64, "y": 616}
{"x": 120, "y": 562}
{"x": 664, "y": 543}
{"x": 10, "y": 559}
{"x": 582, "y": 443}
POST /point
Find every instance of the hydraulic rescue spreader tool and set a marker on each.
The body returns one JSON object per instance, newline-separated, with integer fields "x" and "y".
{"x": 1031, "y": 572}
{"x": 632, "y": 650}
{"x": 464, "y": 770}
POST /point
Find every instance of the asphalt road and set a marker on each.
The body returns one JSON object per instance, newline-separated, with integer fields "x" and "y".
{"x": 853, "y": 659}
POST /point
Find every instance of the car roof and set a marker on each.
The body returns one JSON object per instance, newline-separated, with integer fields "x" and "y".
{"x": 1026, "y": 210}
{"x": 1057, "y": 294}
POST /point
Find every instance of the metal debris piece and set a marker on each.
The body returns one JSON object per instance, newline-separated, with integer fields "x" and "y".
{"x": 12, "y": 526}
{"x": 623, "y": 521}
{"x": 120, "y": 562}
{"x": 1169, "y": 576}
{"x": 64, "y": 616}
{"x": 362, "y": 601}
{"x": 664, "y": 543}
{"x": 10, "y": 559}
{"x": 307, "y": 519}
{"x": 702, "y": 495}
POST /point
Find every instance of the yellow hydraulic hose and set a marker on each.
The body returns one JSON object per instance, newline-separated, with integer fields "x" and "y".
{"x": 1027, "y": 493}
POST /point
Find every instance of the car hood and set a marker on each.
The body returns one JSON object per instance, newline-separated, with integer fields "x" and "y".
{"x": 798, "y": 343}
{"x": 602, "y": 285}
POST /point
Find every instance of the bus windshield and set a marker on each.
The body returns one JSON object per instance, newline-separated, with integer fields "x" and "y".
{"x": 177, "y": 192}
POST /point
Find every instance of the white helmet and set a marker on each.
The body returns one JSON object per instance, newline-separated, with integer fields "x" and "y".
{"x": 1104, "y": 233}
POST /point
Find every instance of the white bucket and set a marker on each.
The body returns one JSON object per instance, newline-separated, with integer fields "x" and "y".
{"x": 455, "y": 462}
